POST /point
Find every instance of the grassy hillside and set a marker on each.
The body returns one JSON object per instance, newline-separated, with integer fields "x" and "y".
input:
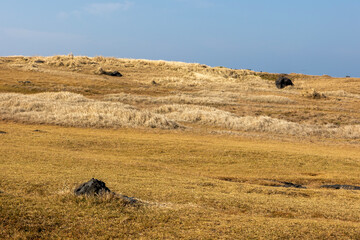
{"x": 193, "y": 186}
{"x": 172, "y": 94}
{"x": 207, "y": 151}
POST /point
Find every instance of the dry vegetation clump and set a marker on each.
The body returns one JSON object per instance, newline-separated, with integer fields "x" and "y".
{"x": 223, "y": 94}
{"x": 268, "y": 99}
{"x": 203, "y": 97}
{"x": 348, "y": 131}
{"x": 69, "y": 109}
{"x": 187, "y": 67}
{"x": 148, "y": 85}
{"x": 188, "y": 74}
{"x": 341, "y": 93}
{"x": 178, "y": 82}
{"x": 99, "y": 71}
{"x": 78, "y": 61}
{"x": 270, "y": 76}
{"x": 243, "y": 83}
{"x": 313, "y": 94}
{"x": 189, "y": 98}
{"x": 218, "y": 118}
{"x": 36, "y": 64}
{"x": 215, "y": 117}
{"x": 178, "y": 74}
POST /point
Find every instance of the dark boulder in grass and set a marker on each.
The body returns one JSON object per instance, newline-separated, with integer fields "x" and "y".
{"x": 338, "y": 186}
{"x": 92, "y": 188}
{"x": 101, "y": 71}
{"x": 95, "y": 187}
{"x": 282, "y": 82}
{"x": 113, "y": 74}
{"x": 290, "y": 185}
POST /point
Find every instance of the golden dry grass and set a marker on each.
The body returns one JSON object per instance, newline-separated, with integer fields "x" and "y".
{"x": 242, "y": 92}
{"x": 204, "y": 149}
{"x": 193, "y": 186}
{"x": 69, "y": 109}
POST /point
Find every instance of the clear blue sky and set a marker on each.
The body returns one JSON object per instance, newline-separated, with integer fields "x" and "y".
{"x": 304, "y": 36}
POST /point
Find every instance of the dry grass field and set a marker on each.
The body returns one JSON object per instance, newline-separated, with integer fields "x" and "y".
{"x": 206, "y": 151}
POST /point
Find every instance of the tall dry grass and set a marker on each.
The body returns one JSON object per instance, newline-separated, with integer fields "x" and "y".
{"x": 214, "y": 117}
{"x": 204, "y": 97}
{"x": 169, "y": 74}
{"x": 342, "y": 93}
{"x": 223, "y": 119}
{"x": 79, "y": 61}
{"x": 190, "y": 87}
{"x": 215, "y": 80}
{"x": 69, "y": 109}
{"x": 184, "y": 74}
{"x": 185, "y": 98}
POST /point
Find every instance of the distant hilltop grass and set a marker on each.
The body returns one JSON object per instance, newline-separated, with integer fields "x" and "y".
{"x": 103, "y": 92}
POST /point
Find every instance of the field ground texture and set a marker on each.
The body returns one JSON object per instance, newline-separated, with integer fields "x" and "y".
{"x": 205, "y": 150}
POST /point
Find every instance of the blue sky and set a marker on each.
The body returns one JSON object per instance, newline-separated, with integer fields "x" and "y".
{"x": 304, "y": 36}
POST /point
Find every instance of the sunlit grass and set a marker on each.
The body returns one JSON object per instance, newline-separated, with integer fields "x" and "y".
{"x": 204, "y": 149}
{"x": 181, "y": 180}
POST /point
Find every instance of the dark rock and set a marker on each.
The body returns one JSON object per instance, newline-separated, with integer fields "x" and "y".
{"x": 92, "y": 187}
{"x": 229, "y": 179}
{"x": 128, "y": 200}
{"x": 338, "y": 186}
{"x": 39, "y": 61}
{"x": 2, "y": 132}
{"x": 37, "y": 130}
{"x": 290, "y": 185}
{"x": 113, "y": 74}
{"x": 282, "y": 82}
{"x": 95, "y": 187}
{"x": 153, "y": 82}
{"x": 24, "y": 82}
{"x": 101, "y": 71}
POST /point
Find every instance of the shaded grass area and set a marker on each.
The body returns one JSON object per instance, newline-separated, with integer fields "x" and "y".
{"x": 194, "y": 186}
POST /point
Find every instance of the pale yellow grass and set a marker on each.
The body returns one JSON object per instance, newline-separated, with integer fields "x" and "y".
{"x": 72, "y": 61}
{"x": 184, "y": 76}
{"x": 69, "y": 109}
{"x": 241, "y": 92}
{"x": 215, "y": 80}
{"x": 219, "y": 118}
{"x": 174, "y": 98}
{"x": 342, "y": 93}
